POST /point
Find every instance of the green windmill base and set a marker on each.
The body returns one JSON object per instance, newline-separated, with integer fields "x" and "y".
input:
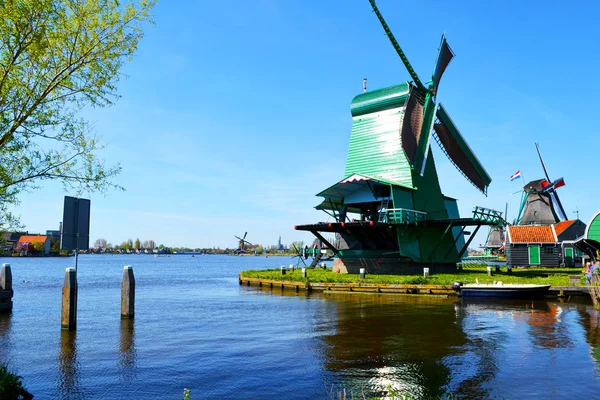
{"x": 390, "y": 215}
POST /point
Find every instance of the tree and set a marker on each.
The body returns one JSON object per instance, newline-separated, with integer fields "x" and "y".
{"x": 38, "y": 247}
{"x": 260, "y": 249}
{"x": 100, "y": 243}
{"x": 55, "y": 247}
{"x": 57, "y": 57}
{"x": 137, "y": 244}
{"x": 296, "y": 246}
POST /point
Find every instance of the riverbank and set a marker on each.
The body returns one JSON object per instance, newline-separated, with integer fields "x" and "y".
{"x": 440, "y": 284}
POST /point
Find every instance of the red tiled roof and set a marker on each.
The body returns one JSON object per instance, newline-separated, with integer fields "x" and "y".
{"x": 562, "y": 226}
{"x": 531, "y": 234}
{"x": 29, "y": 239}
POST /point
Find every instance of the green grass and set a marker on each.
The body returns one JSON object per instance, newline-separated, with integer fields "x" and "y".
{"x": 11, "y": 385}
{"x": 541, "y": 276}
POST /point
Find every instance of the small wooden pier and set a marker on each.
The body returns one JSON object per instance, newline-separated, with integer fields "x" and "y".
{"x": 347, "y": 287}
{"x": 382, "y": 288}
{"x": 6, "y": 290}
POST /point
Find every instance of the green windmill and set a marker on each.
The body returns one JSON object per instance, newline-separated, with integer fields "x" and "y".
{"x": 390, "y": 215}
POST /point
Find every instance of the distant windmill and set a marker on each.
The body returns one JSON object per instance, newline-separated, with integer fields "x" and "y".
{"x": 242, "y": 244}
{"x": 540, "y": 203}
{"x": 300, "y": 254}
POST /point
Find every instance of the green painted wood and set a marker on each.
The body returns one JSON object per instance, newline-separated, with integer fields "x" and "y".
{"x": 423, "y": 148}
{"x": 569, "y": 257}
{"x": 429, "y": 198}
{"x": 378, "y": 100}
{"x": 534, "y": 255}
{"x": 593, "y": 230}
{"x": 403, "y": 57}
{"x": 376, "y": 149}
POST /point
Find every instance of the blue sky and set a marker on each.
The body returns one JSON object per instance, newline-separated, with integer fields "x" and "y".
{"x": 235, "y": 114}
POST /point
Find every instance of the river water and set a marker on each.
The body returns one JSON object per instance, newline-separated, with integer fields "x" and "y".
{"x": 196, "y": 328}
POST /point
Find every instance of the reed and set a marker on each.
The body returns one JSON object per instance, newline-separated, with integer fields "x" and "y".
{"x": 594, "y": 288}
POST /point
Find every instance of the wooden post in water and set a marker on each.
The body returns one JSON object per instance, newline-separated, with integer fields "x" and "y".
{"x": 362, "y": 273}
{"x": 127, "y": 293}
{"x": 282, "y": 270}
{"x": 6, "y": 290}
{"x": 425, "y": 272}
{"x": 69, "y": 300}
{"x": 304, "y": 272}
{"x": 489, "y": 271}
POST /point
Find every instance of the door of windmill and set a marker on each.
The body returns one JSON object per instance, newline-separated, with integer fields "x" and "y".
{"x": 534, "y": 255}
{"x": 569, "y": 257}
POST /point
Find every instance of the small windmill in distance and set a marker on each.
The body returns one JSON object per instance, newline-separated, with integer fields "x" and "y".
{"x": 242, "y": 244}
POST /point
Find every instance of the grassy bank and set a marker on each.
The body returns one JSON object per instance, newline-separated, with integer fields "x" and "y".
{"x": 541, "y": 276}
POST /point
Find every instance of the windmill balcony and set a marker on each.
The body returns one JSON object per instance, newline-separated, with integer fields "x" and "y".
{"x": 402, "y": 216}
{"x": 487, "y": 215}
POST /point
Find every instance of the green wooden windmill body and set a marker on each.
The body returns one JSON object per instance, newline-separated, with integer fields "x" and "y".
{"x": 390, "y": 213}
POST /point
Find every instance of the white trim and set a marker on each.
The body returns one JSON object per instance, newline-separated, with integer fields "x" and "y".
{"x": 554, "y": 232}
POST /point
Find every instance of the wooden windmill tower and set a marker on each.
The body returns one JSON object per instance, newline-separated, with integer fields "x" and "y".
{"x": 540, "y": 204}
{"x": 390, "y": 213}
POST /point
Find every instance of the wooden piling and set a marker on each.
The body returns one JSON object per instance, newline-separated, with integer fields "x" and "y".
{"x": 362, "y": 272}
{"x": 425, "y": 272}
{"x": 69, "y": 300}
{"x": 127, "y": 293}
{"x": 489, "y": 271}
{"x": 304, "y": 272}
{"x": 282, "y": 270}
{"x": 6, "y": 290}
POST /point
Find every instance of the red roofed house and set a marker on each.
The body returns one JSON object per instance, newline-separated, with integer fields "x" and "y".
{"x": 26, "y": 244}
{"x": 543, "y": 245}
{"x": 567, "y": 232}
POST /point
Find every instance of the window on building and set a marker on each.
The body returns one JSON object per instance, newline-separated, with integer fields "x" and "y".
{"x": 549, "y": 250}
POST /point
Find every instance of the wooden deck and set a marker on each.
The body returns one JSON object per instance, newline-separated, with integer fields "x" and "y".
{"x": 327, "y": 287}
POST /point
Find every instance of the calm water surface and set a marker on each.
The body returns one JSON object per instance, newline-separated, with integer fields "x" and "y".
{"x": 196, "y": 328}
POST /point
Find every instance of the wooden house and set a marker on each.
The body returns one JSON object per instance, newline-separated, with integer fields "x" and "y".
{"x": 566, "y": 233}
{"x": 26, "y": 244}
{"x": 532, "y": 245}
{"x": 544, "y": 245}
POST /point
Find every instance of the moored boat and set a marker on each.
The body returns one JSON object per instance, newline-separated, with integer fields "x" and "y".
{"x": 513, "y": 291}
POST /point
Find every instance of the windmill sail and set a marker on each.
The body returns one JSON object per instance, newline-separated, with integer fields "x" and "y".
{"x": 445, "y": 55}
{"x": 459, "y": 152}
{"x": 540, "y": 206}
{"x": 397, "y": 47}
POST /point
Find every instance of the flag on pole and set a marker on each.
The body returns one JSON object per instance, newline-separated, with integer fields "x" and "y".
{"x": 516, "y": 175}
{"x": 558, "y": 183}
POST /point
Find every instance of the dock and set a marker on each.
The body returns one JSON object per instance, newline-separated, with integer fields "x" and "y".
{"x": 382, "y": 288}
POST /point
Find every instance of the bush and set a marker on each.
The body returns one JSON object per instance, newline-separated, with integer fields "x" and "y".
{"x": 11, "y": 385}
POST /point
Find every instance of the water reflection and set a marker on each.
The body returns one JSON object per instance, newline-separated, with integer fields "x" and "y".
{"x": 68, "y": 385}
{"x": 386, "y": 342}
{"x": 590, "y": 319}
{"x": 128, "y": 352}
{"x": 5, "y": 328}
